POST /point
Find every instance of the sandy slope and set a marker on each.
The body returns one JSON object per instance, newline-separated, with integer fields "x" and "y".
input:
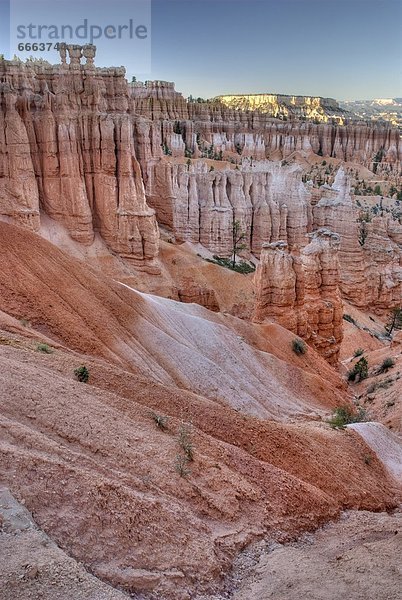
{"x": 173, "y": 343}
{"x": 101, "y": 479}
{"x": 99, "y": 476}
{"x": 32, "y": 566}
{"x": 356, "y": 558}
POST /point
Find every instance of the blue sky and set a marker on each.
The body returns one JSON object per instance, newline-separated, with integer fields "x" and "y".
{"x": 346, "y": 49}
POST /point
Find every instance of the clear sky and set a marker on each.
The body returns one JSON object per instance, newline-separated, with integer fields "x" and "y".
{"x": 346, "y": 49}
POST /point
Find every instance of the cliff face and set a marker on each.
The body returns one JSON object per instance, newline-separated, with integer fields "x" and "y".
{"x": 68, "y": 149}
{"x": 300, "y": 290}
{"x": 370, "y": 253}
{"x": 275, "y": 105}
{"x": 100, "y": 155}
{"x": 270, "y": 202}
{"x": 244, "y": 125}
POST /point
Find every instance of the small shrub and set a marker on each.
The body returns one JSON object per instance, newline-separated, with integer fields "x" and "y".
{"x": 358, "y": 352}
{"x": 387, "y": 364}
{"x": 359, "y": 371}
{"x": 343, "y": 415}
{"x": 82, "y": 374}
{"x": 44, "y": 348}
{"x": 160, "y": 420}
{"x": 242, "y": 267}
{"x": 181, "y": 466}
{"x": 349, "y": 319}
{"x": 186, "y": 443}
{"x": 298, "y": 346}
{"x": 368, "y": 459}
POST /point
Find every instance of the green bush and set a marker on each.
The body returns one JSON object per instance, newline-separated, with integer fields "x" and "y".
{"x": 386, "y": 364}
{"x": 44, "y": 348}
{"x": 358, "y": 352}
{"x": 343, "y": 415}
{"x": 242, "y": 267}
{"x": 298, "y": 346}
{"x": 359, "y": 371}
{"x": 349, "y": 319}
{"x": 82, "y": 374}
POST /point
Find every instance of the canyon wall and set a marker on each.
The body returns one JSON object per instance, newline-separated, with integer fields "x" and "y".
{"x": 199, "y": 204}
{"x": 67, "y": 148}
{"x": 103, "y": 156}
{"x": 370, "y": 253}
{"x": 322, "y": 109}
{"x": 239, "y": 133}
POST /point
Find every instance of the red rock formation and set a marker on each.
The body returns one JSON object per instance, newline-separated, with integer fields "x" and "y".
{"x": 301, "y": 291}
{"x": 255, "y": 133}
{"x": 369, "y": 256}
{"x": 199, "y": 205}
{"x": 68, "y": 147}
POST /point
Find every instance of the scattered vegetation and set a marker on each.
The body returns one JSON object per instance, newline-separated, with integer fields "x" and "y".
{"x": 363, "y": 233}
{"x": 343, "y": 415}
{"x": 378, "y": 158}
{"x": 241, "y": 267}
{"x": 44, "y": 348}
{"x": 386, "y": 364}
{"x": 166, "y": 149}
{"x": 187, "y": 448}
{"x": 358, "y": 352}
{"x": 349, "y": 319}
{"x": 359, "y": 371}
{"x": 394, "y": 320}
{"x": 82, "y": 374}
{"x": 186, "y": 443}
{"x": 181, "y": 466}
{"x": 380, "y": 385}
{"x": 298, "y": 346}
{"x": 161, "y": 421}
{"x": 364, "y": 218}
{"x": 238, "y": 237}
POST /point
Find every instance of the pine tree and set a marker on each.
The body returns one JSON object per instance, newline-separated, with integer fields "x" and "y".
{"x": 394, "y": 320}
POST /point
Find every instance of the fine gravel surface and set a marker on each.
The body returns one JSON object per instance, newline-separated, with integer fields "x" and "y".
{"x": 355, "y": 558}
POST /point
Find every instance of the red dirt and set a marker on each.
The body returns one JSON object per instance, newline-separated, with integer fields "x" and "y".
{"x": 98, "y": 474}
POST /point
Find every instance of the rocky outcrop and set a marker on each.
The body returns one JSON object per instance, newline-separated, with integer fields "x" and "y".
{"x": 322, "y": 109}
{"x": 68, "y": 149}
{"x": 192, "y": 293}
{"x": 238, "y": 126}
{"x": 200, "y": 205}
{"x": 370, "y": 253}
{"x": 300, "y": 290}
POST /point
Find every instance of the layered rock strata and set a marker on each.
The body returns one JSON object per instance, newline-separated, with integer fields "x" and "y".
{"x": 249, "y": 131}
{"x": 200, "y": 205}
{"x": 370, "y": 253}
{"x": 68, "y": 149}
{"x": 300, "y": 290}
